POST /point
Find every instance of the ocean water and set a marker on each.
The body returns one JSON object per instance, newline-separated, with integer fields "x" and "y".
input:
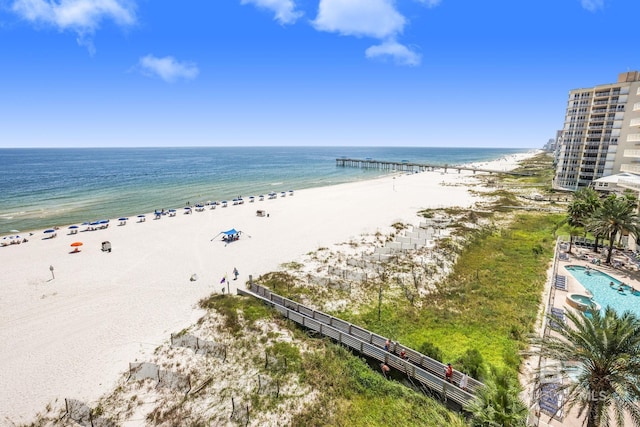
{"x": 42, "y": 188}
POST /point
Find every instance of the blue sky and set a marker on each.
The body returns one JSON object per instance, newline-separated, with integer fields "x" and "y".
{"x": 303, "y": 72}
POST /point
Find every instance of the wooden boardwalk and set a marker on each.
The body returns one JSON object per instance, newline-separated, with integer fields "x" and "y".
{"x": 427, "y": 371}
{"x": 416, "y": 167}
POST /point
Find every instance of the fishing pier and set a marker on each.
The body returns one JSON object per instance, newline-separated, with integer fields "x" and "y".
{"x": 406, "y": 166}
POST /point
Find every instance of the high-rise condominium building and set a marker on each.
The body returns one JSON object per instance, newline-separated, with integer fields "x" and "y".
{"x": 601, "y": 133}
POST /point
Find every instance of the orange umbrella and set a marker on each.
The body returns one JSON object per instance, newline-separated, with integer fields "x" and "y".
{"x": 76, "y": 244}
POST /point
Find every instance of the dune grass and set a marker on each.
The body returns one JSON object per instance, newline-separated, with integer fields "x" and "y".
{"x": 489, "y": 302}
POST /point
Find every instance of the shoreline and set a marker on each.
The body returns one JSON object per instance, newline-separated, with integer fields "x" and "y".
{"x": 61, "y": 200}
{"x": 74, "y": 335}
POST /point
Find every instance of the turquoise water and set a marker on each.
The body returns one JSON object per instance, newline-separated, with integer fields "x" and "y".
{"x": 598, "y": 282}
{"x": 41, "y": 188}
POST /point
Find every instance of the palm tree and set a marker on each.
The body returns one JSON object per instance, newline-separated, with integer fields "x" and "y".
{"x": 599, "y": 359}
{"x": 498, "y": 404}
{"x": 585, "y": 202}
{"x": 590, "y": 202}
{"x": 615, "y": 217}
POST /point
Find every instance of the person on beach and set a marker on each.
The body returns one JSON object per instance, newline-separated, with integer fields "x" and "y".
{"x": 448, "y": 372}
{"x": 235, "y": 273}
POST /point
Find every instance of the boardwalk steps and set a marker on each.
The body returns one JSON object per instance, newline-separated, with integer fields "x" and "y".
{"x": 427, "y": 371}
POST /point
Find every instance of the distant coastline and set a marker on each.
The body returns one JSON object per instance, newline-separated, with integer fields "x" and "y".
{"x": 46, "y": 187}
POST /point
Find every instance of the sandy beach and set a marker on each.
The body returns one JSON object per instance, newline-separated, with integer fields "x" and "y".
{"x": 72, "y": 335}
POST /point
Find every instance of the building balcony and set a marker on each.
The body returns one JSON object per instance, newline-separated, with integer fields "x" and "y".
{"x": 634, "y": 122}
{"x": 632, "y": 154}
{"x": 636, "y": 106}
{"x": 633, "y": 137}
{"x": 630, "y": 167}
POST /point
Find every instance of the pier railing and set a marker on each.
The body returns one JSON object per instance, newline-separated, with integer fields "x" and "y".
{"x": 427, "y": 371}
{"x": 417, "y": 167}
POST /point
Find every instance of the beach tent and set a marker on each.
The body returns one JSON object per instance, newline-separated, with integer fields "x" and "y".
{"x": 229, "y": 235}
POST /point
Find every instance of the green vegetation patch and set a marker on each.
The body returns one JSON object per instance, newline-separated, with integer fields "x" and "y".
{"x": 355, "y": 395}
{"x": 489, "y": 302}
{"x": 230, "y": 307}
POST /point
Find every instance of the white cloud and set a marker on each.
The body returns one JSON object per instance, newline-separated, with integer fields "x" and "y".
{"x": 368, "y": 18}
{"x": 285, "y": 10}
{"x": 430, "y": 3}
{"x": 373, "y": 18}
{"x": 592, "y": 5}
{"x": 77, "y": 15}
{"x": 167, "y": 68}
{"x": 401, "y": 54}
{"x": 81, "y": 16}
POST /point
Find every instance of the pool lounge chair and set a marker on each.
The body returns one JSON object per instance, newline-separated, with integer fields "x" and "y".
{"x": 551, "y": 400}
{"x": 557, "y": 313}
{"x": 561, "y": 282}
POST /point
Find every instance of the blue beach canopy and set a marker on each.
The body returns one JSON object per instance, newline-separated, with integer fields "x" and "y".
{"x": 123, "y": 219}
{"x": 230, "y": 232}
{"x": 51, "y": 230}
{"x": 73, "y": 227}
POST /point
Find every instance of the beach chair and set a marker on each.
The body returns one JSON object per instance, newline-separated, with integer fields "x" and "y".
{"x": 550, "y": 399}
{"x": 558, "y": 314}
{"x": 561, "y": 282}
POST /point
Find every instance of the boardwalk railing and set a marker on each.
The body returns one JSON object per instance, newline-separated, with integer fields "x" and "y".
{"x": 416, "y": 167}
{"x": 427, "y": 371}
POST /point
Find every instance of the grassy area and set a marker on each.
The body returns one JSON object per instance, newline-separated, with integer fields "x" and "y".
{"x": 350, "y": 393}
{"x": 354, "y": 395}
{"x": 489, "y": 302}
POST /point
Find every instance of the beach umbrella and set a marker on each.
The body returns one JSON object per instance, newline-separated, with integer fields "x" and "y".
{"x": 76, "y": 244}
{"x": 50, "y": 230}
{"x": 140, "y": 216}
{"x": 123, "y": 219}
{"x": 172, "y": 210}
{"x": 103, "y": 221}
{"x": 73, "y": 227}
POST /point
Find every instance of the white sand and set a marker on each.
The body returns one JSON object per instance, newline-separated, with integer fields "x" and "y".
{"x": 72, "y": 336}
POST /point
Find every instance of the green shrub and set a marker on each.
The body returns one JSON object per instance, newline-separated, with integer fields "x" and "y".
{"x": 430, "y": 350}
{"x": 471, "y": 363}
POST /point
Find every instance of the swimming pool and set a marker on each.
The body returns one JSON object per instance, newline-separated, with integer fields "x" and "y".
{"x": 598, "y": 282}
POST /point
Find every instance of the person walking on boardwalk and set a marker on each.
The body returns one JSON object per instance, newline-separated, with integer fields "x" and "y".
{"x": 387, "y": 345}
{"x": 448, "y": 372}
{"x": 235, "y": 273}
{"x": 464, "y": 381}
{"x": 403, "y": 354}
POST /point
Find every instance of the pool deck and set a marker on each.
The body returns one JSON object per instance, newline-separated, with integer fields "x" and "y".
{"x": 555, "y": 299}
